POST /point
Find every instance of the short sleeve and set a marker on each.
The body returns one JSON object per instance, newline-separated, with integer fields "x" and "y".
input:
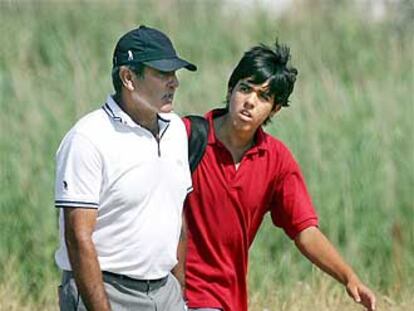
{"x": 292, "y": 207}
{"x": 78, "y": 173}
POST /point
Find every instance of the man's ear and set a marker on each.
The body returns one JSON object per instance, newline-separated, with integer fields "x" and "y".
{"x": 126, "y": 76}
{"x": 275, "y": 110}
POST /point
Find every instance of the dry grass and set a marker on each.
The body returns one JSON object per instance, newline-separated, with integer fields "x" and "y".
{"x": 326, "y": 296}
{"x": 14, "y": 298}
{"x": 303, "y": 297}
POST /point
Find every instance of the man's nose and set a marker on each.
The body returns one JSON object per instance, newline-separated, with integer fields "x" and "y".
{"x": 173, "y": 82}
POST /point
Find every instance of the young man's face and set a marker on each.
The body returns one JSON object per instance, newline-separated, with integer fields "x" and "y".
{"x": 155, "y": 90}
{"x": 250, "y": 105}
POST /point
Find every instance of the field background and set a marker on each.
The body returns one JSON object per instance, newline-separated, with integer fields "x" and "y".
{"x": 350, "y": 126}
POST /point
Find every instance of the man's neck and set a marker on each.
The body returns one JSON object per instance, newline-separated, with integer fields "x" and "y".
{"x": 146, "y": 119}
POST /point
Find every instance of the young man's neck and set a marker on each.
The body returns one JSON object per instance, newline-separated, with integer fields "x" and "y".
{"x": 236, "y": 141}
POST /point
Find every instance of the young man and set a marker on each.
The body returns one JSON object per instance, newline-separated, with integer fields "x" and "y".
{"x": 244, "y": 174}
{"x": 122, "y": 177}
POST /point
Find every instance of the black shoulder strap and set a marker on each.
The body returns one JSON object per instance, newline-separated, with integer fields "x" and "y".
{"x": 197, "y": 142}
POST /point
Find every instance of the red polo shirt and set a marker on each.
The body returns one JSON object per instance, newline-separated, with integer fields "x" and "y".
{"x": 226, "y": 208}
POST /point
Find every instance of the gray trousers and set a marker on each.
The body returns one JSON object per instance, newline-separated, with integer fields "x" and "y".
{"x": 124, "y": 295}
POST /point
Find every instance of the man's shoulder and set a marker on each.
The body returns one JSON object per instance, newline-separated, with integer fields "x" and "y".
{"x": 92, "y": 123}
{"x": 89, "y": 127}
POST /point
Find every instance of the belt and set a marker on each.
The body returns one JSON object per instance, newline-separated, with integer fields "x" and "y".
{"x": 140, "y": 285}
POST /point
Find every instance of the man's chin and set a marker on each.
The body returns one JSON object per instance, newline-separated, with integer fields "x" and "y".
{"x": 166, "y": 108}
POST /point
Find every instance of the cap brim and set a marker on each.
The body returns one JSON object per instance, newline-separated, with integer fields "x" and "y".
{"x": 170, "y": 64}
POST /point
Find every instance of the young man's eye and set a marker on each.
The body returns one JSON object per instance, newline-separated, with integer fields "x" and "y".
{"x": 244, "y": 88}
{"x": 264, "y": 96}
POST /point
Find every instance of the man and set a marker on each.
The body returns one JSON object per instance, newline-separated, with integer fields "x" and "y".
{"x": 244, "y": 174}
{"x": 122, "y": 177}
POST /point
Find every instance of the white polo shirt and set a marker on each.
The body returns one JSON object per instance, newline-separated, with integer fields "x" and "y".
{"x": 108, "y": 162}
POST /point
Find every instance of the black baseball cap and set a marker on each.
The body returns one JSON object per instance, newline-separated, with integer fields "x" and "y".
{"x": 151, "y": 47}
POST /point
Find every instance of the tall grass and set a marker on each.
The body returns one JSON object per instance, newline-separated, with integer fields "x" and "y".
{"x": 349, "y": 125}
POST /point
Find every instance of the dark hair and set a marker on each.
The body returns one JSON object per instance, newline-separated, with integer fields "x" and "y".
{"x": 137, "y": 68}
{"x": 262, "y": 63}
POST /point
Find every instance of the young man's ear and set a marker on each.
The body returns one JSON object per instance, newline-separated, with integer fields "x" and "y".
{"x": 229, "y": 91}
{"x": 126, "y": 76}
{"x": 275, "y": 110}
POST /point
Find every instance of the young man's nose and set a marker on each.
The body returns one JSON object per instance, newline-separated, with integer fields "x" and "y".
{"x": 250, "y": 100}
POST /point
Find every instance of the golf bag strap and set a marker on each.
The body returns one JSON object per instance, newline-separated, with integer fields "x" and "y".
{"x": 197, "y": 140}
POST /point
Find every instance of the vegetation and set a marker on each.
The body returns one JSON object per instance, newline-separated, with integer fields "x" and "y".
{"x": 349, "y": 125}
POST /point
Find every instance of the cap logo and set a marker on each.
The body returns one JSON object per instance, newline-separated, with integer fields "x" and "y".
{"x": 130, "y": 55}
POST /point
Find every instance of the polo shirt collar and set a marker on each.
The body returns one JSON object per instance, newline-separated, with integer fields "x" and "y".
{"x": 117, "y": 114}
{"x": 260, "y": 136}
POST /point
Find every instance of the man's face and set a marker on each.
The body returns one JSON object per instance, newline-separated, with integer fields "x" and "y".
{"x": 250, "y": 105}
{"x": 155, "y": 90}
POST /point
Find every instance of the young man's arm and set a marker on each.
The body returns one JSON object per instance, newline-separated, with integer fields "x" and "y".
{"x": 317, "y": 248}
{"x": 79, "y": 225}
{"x": 179, "y": 269}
